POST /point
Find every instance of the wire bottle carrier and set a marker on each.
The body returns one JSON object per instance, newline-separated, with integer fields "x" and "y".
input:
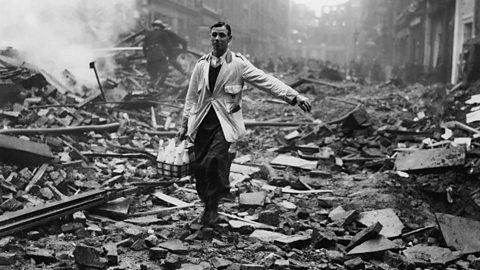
{"x": 178, "y": 170}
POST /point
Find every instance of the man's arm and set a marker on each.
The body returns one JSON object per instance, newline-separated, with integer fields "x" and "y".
{"x": 176, "y": 39}
{"x": 274, "y": 86}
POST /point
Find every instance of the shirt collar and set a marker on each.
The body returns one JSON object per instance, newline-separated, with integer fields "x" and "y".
{"x": 213, "y": 59}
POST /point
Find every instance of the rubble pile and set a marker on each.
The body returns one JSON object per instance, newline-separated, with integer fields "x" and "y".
{"x": 377, "y": 177}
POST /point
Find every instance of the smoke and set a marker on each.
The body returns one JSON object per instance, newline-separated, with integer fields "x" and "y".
{"x": 59, "y": 35}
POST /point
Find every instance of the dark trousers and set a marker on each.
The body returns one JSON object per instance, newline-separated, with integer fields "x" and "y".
{"x": 212, "y": 159}
{"x": 158, "y": 71}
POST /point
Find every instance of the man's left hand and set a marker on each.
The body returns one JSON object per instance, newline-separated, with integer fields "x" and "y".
{"x": 304, "y": 103}
{"x": 181, "y": 134}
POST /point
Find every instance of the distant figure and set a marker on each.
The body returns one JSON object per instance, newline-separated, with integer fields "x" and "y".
{"x": 155, "y": 46}
{"x": 161, "y": 47}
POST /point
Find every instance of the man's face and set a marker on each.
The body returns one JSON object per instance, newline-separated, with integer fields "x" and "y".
{"x": 219, "y": 38}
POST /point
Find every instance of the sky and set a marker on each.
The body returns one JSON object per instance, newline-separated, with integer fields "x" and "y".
{"x": 317, "y": 4}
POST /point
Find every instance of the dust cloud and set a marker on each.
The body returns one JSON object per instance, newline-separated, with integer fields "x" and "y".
{"x": 59, "y": 35}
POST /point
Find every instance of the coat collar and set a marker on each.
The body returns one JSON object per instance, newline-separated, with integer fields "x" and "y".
{"x": 227, "y": 56}
{"x": 221, "y": 76}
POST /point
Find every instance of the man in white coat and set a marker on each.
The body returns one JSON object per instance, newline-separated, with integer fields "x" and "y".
{"x": 212, "y": 115}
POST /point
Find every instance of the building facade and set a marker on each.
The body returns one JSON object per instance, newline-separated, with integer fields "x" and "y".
{"x": 260, "y": 28}
{"x": 336, "y": 33}
{"x": 428, "y": 36}
{"x": 190, "y": 19}
{"x": 464, "y": 30}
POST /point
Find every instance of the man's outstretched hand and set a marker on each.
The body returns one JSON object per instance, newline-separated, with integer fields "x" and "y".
{"x": 304, "y": 103}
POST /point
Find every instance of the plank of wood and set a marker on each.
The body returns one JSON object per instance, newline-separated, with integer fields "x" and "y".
{"x": 63, "y": 130}
{"x": 38, "y": 175}
{"x": 89, "y": 99}
{"x": 117, "y": 208}
{"x": 289, "y": 161}
{"x": 243, "y": 169}
{"x": 419, "y": 230}
{"x": 169, "y": 199}
{"x": 58, "y": 195}
{"x": 252, "y": 124}
{"x": 295, "y": 191}
{"x": 305, "y": 183}
{"x": 19, "y": 151}
{"x": 457, "y": 124}
{"x": 11, "y": 222}
{"x": 254, "y": 223}
{"x": 430, "y": 158}
{"x": 161, "y": 211}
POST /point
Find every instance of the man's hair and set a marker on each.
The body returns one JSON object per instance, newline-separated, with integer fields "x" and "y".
{"x": 220, "y": 24}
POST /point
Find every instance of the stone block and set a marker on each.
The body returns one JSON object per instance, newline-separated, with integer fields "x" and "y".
{"x": 89, "y": 256}
{"x": 7, "y": 258}
{"x": 157, "y": 253}
{"x": 253, "y": 199}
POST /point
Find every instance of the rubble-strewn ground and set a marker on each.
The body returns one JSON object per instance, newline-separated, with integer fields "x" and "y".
{"x": 353, "y": 137}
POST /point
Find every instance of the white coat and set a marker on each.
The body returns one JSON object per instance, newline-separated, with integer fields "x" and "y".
{"x": 226, "y": 97}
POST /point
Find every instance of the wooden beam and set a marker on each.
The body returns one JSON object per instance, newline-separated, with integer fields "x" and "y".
{"x": 431, "y": 158}
{"x": 64, "y": 130}
{"x": 256, "y": 224}
{"x": 19, "y": 151}
{"x": 161, "y": 210}
{"x": 169, "y": 199}
{"x": 38, "y": 175}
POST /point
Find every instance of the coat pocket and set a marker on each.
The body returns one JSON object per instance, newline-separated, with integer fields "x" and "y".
{"x": 233, "y": 89}
{"x": 233, "y": 96}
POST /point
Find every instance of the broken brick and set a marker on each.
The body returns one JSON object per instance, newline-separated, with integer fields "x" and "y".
{"x": 335, "y": 256}
{"x": 269, "y": 217}
{"x": 157, "y": 253}
{"x": 71, "y": 226}
{"x": 241, "y": 226}
{"x": 220, "y": 263}
{"x": 266, "y": 236}
{"x": 367, "y": 233}
{"x": 41, "y": 255}
{"x": 112, "y": 254}
{"x": 34, "y": 235}
{"x": 7, "y": 258}
{"x": 354, "y": 264}
{"x": 326, "y": 239}
{"x": 139, "y": 244}
{"x": 175, "y": 246}
{"x": 343, "y": 218}
{"x": 172, "y": 261}
{"x": 294, "y": 241}
{"x": 89, "y": 256}
{"x": 11, "y": 205}
{"x": 253, "y": 199}
{"x": 252, "y": 267}
{"x": 281, "y": 264}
